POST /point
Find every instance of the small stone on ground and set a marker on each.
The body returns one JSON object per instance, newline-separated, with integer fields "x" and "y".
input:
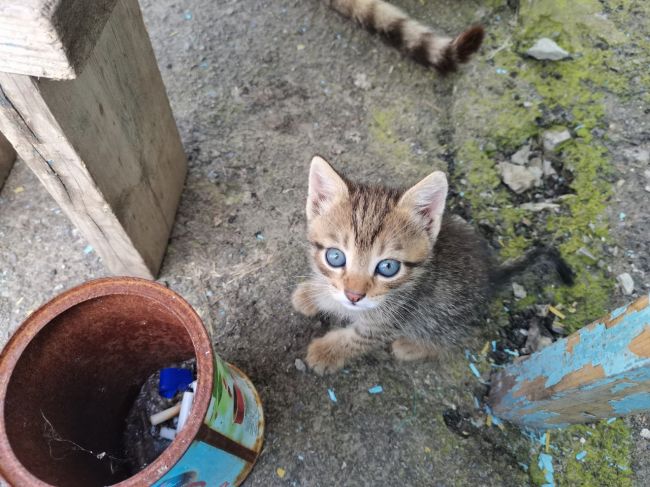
{"x": 361, "y": 81}
{"x": 300, "y": 365}
{"x": 548, "y": 168}
{"x": 521, "y": 156}
{"x": 547, "y": 49}
{"x": 626, "y": 282}
{"x": 553, "y": 138}
{"x": 519, "y": 291}
{"x": 541, "y": 206}
{"x": 520, "y": 178}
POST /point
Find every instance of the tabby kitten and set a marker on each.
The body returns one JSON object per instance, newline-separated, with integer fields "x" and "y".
{"x": 414, "y": 39}
{"x": 396, "y": 267}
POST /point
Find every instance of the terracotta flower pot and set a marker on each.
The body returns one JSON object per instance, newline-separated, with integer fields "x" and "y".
{"x": 73, "y": 369}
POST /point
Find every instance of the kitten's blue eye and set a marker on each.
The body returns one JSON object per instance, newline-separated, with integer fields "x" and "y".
{"x": 335, "y": 257}
{"x": 388, "y": 267}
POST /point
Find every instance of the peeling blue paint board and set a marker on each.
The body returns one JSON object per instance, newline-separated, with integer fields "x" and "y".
{"x": 639, "y": 401}
{"x": 607, "y": 361}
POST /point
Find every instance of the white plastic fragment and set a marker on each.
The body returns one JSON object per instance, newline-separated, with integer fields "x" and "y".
{"x": 165, "y": 415}
{"x": 167, "y": 433}
{"x": 645, "y": 433}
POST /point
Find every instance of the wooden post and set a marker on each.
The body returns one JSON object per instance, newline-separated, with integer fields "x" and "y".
{"x": 104, "y": 144}
{"x": 7, "y": 158}
{"x": 50, "y": 38}
{"x": 601, "y": 371}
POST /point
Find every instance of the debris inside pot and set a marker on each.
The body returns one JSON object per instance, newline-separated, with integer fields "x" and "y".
{"x": 159, "y": 411}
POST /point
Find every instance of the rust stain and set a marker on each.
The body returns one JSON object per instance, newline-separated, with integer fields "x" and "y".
{"x": 637, "y": 305}
{"x": 640, "y": 345}
{"x": 572, "y": 341}
{"x": 586, "y": 375}
{"x": 534, "y": 390}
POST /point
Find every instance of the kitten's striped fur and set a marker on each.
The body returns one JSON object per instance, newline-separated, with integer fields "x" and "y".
{"x": 442, "y": 290}
{"x": 416, "y": 40}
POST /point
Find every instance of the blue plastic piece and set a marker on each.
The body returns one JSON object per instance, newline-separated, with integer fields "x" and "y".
{"x": 331, "y": 394}
{"x": 173, "y": 381}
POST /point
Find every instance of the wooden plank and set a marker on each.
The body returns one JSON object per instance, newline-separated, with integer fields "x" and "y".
{"x": 105, "y": 145}
{"x": 601, "y": 371}
{"x": 7, "y": 158}
{"x": 50, "y": 38}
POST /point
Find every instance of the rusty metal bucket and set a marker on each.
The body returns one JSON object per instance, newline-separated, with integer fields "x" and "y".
{"x": 70, "y": 374}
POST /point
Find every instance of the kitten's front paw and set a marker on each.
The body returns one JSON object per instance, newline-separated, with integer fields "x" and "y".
{"x": 408, "y": 350}
{"x": 302, "y": 300}
{"x": 324, "y": 357}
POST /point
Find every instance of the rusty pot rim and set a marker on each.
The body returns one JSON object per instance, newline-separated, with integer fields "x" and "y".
{"x": 11, "y": 469}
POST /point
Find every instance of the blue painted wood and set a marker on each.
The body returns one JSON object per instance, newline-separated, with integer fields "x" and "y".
{"x": 602, "y": 370}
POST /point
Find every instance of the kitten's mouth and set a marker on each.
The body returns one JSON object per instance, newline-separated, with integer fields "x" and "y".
{"x": 363, "y": 305}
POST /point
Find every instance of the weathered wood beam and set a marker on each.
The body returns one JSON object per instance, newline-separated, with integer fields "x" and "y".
{"x": 601, "y": 371}
{"x": 105, "y": 145}
{"x": 7, "y": 158}
{"x": 50, "y": 38}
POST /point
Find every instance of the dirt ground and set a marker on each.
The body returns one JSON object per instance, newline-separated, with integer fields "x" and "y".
{"x": 257, "y": 88}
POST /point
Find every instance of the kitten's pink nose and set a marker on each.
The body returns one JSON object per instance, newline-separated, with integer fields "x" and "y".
{"x": 354, "y": 297}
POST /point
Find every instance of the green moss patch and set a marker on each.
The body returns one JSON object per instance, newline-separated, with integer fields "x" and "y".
{"x": 511, "y": 107}
{"x": 576, "y": 87}
{"x": 594, "y": 455}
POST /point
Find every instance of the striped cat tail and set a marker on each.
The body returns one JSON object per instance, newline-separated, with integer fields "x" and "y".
{"x": 416, "y": 40}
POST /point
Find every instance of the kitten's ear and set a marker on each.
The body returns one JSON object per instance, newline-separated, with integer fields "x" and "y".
{"x": 426, "y": 202}
{"x": 325, "y": 187}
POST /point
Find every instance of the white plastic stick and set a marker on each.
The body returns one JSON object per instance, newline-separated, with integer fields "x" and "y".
{"x": 186, "y": 405}
{"x": 163, "y": 416}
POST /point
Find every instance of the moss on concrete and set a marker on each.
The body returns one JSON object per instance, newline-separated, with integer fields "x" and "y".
{"x": 577, "y": 87}
{"x": 489, "y": 201}
{"x": 607, "y": 460}
{"x": 601, "y": 63}
{"x": 383, "y": 137}
{"x": 537, "y": 475}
